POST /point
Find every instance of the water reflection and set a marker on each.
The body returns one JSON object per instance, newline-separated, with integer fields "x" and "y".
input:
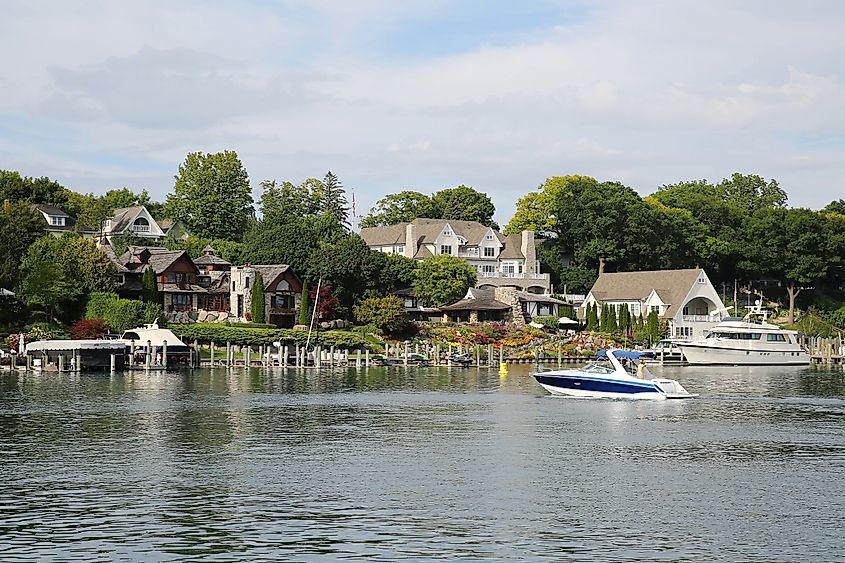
{"x": 389, "y": 463}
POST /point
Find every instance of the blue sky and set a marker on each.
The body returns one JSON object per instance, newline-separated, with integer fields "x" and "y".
{"x": 427, "y": 95}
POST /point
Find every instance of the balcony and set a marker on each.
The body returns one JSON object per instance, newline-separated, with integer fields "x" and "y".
{"x": 699, "y": 319}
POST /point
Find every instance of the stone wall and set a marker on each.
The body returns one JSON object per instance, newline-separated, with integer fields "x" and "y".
{"x": 508, "y": 296}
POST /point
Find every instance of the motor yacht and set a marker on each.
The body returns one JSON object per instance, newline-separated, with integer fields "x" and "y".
{"x": 622, "y": 375}
{"x": 750, "y": 340}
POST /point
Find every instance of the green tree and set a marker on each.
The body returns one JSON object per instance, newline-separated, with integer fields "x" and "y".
{"x": 536, "y": 210}
{"x": 212, "y": 196}
{"x": 403, "y": 207}
{"x": 57, "y": 274}
{"x": 282, "y": 202}
{"x": 464, "y": 203}
{"x": 443, "y": 279}
{"x": 103, "y": 207}
{"x": 604, "y": 325}
{"x": 576, "y": 279}
{"x": 350, "y": 267}
{"x": 333, "y": 199}
{"x": 592, "y": 318}
{"x": 257, "y": 303}
{"x": 624, "y": 319}
{"x": 20, "y": 227}
{"x": 396, "y": 273}
{"x": 305, "y": 306}
{"x": 612, "y": 324}
{"x": 750, "y": 193}
{"x": 386, "y": 313}
{"x": 121, "y": 314}
{"x": 652, "y": 327}
{"x": 149, "y": 286}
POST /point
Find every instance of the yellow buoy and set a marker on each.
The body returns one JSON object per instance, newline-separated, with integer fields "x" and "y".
{"x": 503, "y": 368}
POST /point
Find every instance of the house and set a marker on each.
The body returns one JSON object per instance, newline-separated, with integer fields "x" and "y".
{"x": 686, "y": 299}
{"x": 501, "y": 304}
{"x": 215, "y": 277}
{"x": 58, "y": 222}
{"x": 176, "y": 274}
{"x": 137, "y": 221}
{"x": 282, "y": 293}
{"x": 500, "y": 260}
{"x": 417, "y": 311}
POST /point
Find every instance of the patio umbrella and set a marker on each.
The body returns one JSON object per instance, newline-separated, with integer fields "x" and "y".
{"x": 566, "y": 321}
{"x": 21, "y": 345}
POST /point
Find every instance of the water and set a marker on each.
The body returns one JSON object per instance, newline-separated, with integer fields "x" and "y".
{"x": 419, "y": 464}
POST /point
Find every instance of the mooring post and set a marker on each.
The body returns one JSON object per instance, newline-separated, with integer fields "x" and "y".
{"x": 61, "y": 363}
{"x": 113, "y": 363}
{"x": 212, "y": 353}
{"x": 407, "y": 345}
{"x": 149, "y": 356}
{"x": 449, "y": 356}
{"x": 164, "y": 354}
{"x": 331, "y": 356}
{"x": 131, "y": 353}
{"x": 366, "y": 357}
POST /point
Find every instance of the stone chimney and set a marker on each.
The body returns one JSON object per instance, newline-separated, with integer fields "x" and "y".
{"x": 411, "y": 240}
{"x": 529, "y": 251}
{"x": 510, "y": 296}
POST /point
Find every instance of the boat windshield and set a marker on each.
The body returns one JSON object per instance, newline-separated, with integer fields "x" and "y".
{"x": 596, "y": 367}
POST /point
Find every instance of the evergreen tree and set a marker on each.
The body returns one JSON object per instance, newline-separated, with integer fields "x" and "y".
{"x": 257, "y": 303}
{"x": 624, "y": 319}
{"x": 612, "y": 324}
{"x": 652, "y": 326}
{"x": 588, "y": 318}
{"x": 333, "y": 199}
{"x": 603, "y": 319}
{"x": 305, "y": 306}
{"x": 595, "y": 316}
{"x": 149, "y": 286}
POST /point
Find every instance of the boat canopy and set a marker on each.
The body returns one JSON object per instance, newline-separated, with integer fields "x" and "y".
{"x": 70, "y": 345}
{"x": 629, "y": 354}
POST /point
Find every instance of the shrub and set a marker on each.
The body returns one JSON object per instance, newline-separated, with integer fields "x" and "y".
{"x": 206, "y": 332}
{"x": 387, "y": 313}
{"x": 548, "y": 321}
{"x": 121, "y": 314}
{"x": 87, "y": 329}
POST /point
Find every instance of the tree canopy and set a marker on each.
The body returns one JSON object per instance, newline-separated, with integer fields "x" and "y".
{"x": 443, "y": 279}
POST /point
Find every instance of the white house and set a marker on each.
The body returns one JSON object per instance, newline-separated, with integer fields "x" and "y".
{"x": 138, "y": 221}
{"x": 684, "y": 298}
{"x": 500, "y": 260}
{"x": 58, "y": 222}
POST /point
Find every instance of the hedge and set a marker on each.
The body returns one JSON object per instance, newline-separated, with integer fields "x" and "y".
{"x": 207, "y": 332}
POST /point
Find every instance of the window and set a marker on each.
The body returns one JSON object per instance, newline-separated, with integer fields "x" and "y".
{"x": 489, "y": 236}
{"x": 180, "y": 299}
{"x": 702, "y": 279}
{"x": 246, "y": 282}
{"x": 57, "y": 221}
{"x": 489, "y": 269}
{"x": 282, "y": 301}
{"x": 447, "y": 233}
{"x": 635, "y": 309}
{"x": 775, "y": 338}
{"x": 170, "y": 277}
{"x": 655, "y": 309}
{"x": 489, "y": 252}
{"x": 141, "y": 225}
{"x": 445, "y": 249}
{"x": 399, "y": 249}
{"x": 686, "y": 311}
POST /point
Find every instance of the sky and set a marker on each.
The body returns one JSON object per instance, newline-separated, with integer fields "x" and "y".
{"x": 426, "y": 95}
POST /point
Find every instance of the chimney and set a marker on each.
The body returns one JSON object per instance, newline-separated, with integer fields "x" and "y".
{"x": 410, "y": 240}
{"x": 529, "y": 252}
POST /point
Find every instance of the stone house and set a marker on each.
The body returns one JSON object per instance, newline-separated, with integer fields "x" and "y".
{"x": 500, "y": 260}
{"x": 502, "y": 304}
{"x": 686, "y": 299}
{"x": 282, "y": 293}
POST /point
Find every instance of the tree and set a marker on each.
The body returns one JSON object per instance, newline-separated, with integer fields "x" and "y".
{"x": 212, "y": 196}
{"x": 333, "y": 199}
{"x": 349, "y": 266}
{"x": 749, "y": 193}
{"x": 121, "y": 314}
{"x": 257, "y": 304}
{"x": 652, "y": 327}
{"x": 305, "y": 306}
{"x": 612, "y": 324}
{"x": 464, "y": 204}
{"x": 57, "y": 273}
{"x": 327, "y": 300}
{"x": 149, "y": 286}
{"x": 103, "y": 207}
{"x": 397, "y": 272}
{"x": 576, "y": 279}
{"x": 604, "y": 325}
{"x": 387, "y": 313}
{"x": 624, "y": 319}
{"x": 536, "y": 210}
{"x": 592, "y": 317}
{"x": 20, "y": 227}
{"x": 282, "y": 202}
{"x": 443, "y": 279}
{"x": 403, "y": 207}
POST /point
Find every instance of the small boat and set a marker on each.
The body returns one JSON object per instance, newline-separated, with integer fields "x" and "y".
{"x": 158, "y": 339}
{"x": 461, "y": 360}
{"x": 622, "y": 375}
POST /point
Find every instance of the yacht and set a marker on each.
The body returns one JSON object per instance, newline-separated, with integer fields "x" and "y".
{"x": 746, "y": 341}
{"x": 623, "y": 376}
{"x": 666, "y": 351}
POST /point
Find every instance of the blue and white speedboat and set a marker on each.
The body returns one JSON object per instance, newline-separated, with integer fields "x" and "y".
{"x": 623, "y": 375}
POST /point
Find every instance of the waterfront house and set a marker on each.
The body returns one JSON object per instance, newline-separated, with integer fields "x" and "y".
{"x": 215, "y": 277}
{"x": 415, "y": 309}
{"x": 282, "y": 293}
{"x": 684, "y": 298}
{"x": 501, "y": 304}
{"x": 58, "y": 222}
{"x": 500, "y": 260}
{"x": 137, "y": 221}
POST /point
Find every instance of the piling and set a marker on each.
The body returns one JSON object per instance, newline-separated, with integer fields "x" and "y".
{"x": 228, "y": 354}
{"x": 366, "y": 357}
{"x": 164, "y": 354}
{"x": 61, "y": 363}
{"x": 112, "y": 363}
{"x": 148, "y": 357}
{"x": 212, "y": 352}
{"x": 131, "y": 353}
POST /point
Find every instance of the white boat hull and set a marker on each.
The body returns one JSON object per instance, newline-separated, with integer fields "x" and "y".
{"x": 700, "y": 354}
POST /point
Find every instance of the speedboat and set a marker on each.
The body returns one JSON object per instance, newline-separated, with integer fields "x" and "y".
{"x": 746, "y": 341}
{"x": 623, "y": 375}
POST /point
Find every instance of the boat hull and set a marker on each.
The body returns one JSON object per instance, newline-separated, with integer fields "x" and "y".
{"x": 702, "y": 355}
{"x": 597, "y": 387}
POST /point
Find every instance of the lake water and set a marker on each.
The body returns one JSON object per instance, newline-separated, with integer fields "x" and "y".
{"x": 419, "y": 464}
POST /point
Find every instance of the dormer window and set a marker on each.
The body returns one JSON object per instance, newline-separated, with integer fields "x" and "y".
{"x": 702, "y": 279}
{"x": 141, "y": 225}
{"x": 57, "y": 221}
{"x": 447, "y": 233}
{"x": 489, "y": 236}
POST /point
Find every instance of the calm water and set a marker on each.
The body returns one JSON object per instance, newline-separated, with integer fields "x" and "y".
{"x": 419, "y": 464}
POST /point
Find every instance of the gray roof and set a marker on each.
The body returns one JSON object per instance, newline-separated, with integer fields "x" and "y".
{"x": 513, "y": 247}
{"x": 160, "y": 258}
{"x": 49, "y": 209}
{"x": 538, "y": 298}
{"x": 123, "y": 217}
{"x": 53, "y": 211}
{"x": 269, "y": 272}
{"x": 672, "y": 286}
{"x": 478, "y": 300}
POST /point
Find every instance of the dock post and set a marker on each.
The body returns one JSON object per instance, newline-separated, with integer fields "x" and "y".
{"x": 29, "y": 363}
{"x": 164, "y": 354}
{"x": 61, "y": 362}
{"x": 477, "y": 356}
{"x": 407, "y": 345}
{"x": 449, "y": 357}
{"x": 212, "y": 353}
{"x": 331, "y": 356}
{"x": 296, "y": 354}
{"x": 366, "y": 358}
{"x": 113, "y": 363}
{"x": 228, "y": 354}
{"x": 318, "y": 359}
{"x": 437, "y": 354}
{"x": 489, "y": 355}
{"x": 501, "y": 354}
{"x": 283, "y": 361}
{"x": 247, "y": 353}
{"x": 131, "y": 353}
{"x": 149, "y": 355}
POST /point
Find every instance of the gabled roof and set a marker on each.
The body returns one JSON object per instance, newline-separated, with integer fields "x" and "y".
{"x": 270, "y": 272}
{"x": 208, "y": 258}
{"x": 51, "y": 210}
{"x": 166, "y": 224}
{"x": 478, "y": 300}
{"x": 123, "y": 217}
{"x": 159, "y": 258}
{"x": 513, "y": 247}
{"x": 672, "y": 286}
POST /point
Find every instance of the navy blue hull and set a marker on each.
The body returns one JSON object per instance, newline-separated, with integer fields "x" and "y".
{"x": 597, "y": 385}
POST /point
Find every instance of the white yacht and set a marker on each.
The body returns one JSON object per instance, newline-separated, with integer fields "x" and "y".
{"x": 746, "y": 341}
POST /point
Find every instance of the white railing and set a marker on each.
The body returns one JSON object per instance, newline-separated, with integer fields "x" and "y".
{"x": 698, "y": 318}
{"x": 141, "y": 228}
{"x": 512, "y": 275}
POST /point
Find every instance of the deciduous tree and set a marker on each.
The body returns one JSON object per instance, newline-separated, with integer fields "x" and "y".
{"x": 443, "y": 279}
{"x": 399, "y": 208}
{"x": 464, "y": 203}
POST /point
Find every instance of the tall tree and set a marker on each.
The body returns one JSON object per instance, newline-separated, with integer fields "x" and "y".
{"x": 283, "y": 201}
{"x": 257, "y": 303}
{"x": 19, "y": 228}
{"x": 305, "y": 305}
{"x": 443, "y": 279}
{"x": 464, "y": 203}
{"x": 535, "y": 211}
{"x": 212, "y": 196}
{"x": 149, "y": 286}
{"x": 333, "y": 199}
{"x": 400, "y": 208}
